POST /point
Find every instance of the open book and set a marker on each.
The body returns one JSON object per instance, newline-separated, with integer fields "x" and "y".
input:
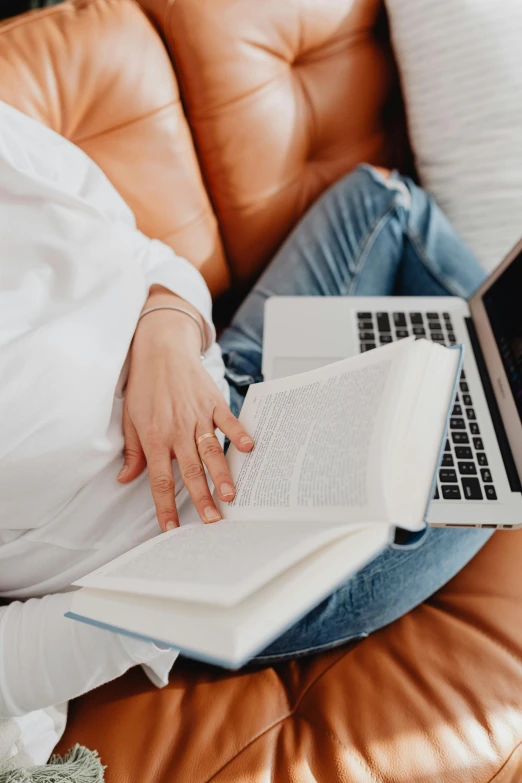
{"x": 342, "y": 456}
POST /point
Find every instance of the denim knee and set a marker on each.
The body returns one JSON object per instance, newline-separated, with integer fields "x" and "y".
{"x": 368, "y": 193}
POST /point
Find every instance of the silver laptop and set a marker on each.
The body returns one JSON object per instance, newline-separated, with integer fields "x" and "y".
{"x": 479, "y": 481}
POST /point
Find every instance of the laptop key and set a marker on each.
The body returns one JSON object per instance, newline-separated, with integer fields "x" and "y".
{"x": 481, "y": 458}
{"x": 477, "y": 442}
{"x": 490, "y": 492}
{"x": 365, "y": 326}
{"x": 459, "y": 437}
{"x": 467, "y": 469}
{"x": 463, "y": 375}
{"x": 451, "y": 492}
{"x": 457, "y": 410}
{"x": 471, "y": 487}
{"x": 386, "y": 338}
{"x": 470, "y": 413}
{"x": 446, "y": 316}
{"x": 447, "y": 447}
{"x": 466, "y": 399}
{"x": 487, "y": 478}
{"x": 367, "y": 347}
{"x": 416, "y": 318}
{"x": 383, "y": 322}
{"x": 448, "y": 476}
{"x": 452, "y": 338}
{"x": 447, "y": 461}
{"x": 401, "y": 334}
{"x": 364, "y": 316}
{"x": 437, "y": 336}
{"x": 399, "y": 319}
{"x": 457, "y": 424}
{"x": 365, "y": 336}
{"x": 419, "y": 331}
{"x": 464, "y": 386}
{"x": 432, "y": 316}
{"x": 474, "y": 427}
{"x": 463, "y": 452}
{"x": 434, "y": 326}
{"x": 436, "y": 495}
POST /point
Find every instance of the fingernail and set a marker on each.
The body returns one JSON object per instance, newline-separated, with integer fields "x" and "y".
{"x": 246, "y": 441}
{"x": 227, "y": 490}
{"x": 211, "y": 515}
{"x": 123, "y": 471}
{"x": 170, "y": 525}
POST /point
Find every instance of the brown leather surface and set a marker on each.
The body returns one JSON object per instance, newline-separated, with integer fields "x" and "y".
{"x": 434, "y": 698}
{"x": 283, "y": 98}
{"x": 97, "y": 72}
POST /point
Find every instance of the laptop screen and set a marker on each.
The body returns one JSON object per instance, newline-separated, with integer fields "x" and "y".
{"x": 503, "y": 305}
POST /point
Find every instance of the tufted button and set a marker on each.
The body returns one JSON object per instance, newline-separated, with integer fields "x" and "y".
{"x": 283, "y": 99}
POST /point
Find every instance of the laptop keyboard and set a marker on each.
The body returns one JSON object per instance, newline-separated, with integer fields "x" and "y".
{"x": 464, "y": 472}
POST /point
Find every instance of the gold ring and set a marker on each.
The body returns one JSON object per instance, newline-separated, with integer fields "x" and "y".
{"x": 205, "y": 435}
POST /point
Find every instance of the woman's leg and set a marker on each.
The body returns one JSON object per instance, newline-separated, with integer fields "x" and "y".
{"x": 366, "y": 236}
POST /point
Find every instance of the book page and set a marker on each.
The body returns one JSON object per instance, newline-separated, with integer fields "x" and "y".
{"x": 419, "y": 437}
{"x": 318, "y": 438}
{"x": 219, "y": 564}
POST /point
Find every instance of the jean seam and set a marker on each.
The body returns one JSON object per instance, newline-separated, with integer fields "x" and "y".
{"x": 445, "y": 281}
{"x": 364, "y": 250}
{"x": 327, "y": 646}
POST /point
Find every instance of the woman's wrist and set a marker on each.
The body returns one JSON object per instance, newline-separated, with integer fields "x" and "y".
{"x": 179, "y": 330}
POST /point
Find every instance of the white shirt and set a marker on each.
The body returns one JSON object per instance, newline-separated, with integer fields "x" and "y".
{"x": 74, "y": 275}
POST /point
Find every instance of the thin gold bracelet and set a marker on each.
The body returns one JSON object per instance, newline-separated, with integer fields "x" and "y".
{"x": 204, "y": 345}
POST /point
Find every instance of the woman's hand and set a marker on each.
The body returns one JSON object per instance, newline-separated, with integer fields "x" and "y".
{"x": 171, "y": 400}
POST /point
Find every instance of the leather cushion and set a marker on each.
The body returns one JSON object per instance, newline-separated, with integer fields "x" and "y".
{"x": 433, "y": 698}
{"x": 97, "y": 72}
{"x": 283, "y": 98}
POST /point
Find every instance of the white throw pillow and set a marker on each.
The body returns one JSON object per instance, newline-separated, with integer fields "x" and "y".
{"x": 461, "y": 71}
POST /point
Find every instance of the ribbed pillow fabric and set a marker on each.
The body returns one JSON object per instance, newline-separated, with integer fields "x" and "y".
{"x": 461, "y": 70}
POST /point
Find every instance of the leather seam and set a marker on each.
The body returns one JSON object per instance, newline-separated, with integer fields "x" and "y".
{"x": 282, "y": 718}
{"x": 196, "y": 117}
{"x": 335, "y": 739}
{"x": 28, "y": 18}
{"x": 128, "y": 123}
{"x": 499, "y": 775}
{"x": 37, "y": 15}
{"x": 199, "y": 218}
{"x": 231, "y": 209}
{"x": 476, "y": 629}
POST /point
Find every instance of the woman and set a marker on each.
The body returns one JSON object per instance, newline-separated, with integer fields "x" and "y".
{"x": 99, "y": 326}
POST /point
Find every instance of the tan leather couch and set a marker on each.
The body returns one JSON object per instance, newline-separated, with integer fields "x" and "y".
{"x": 278, "y": 99}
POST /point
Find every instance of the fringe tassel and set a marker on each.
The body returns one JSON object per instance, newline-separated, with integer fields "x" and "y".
{"x": 79, "y": 765}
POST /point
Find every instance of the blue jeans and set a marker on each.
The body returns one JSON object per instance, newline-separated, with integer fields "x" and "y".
{"x": 375, "y": 237}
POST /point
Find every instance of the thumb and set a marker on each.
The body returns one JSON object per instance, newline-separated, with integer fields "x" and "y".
{"x": 135, "y": 461}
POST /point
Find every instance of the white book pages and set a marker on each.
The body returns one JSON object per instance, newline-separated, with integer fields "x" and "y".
{"x": 319, "y": 439}
{"x": 219, "y": 564}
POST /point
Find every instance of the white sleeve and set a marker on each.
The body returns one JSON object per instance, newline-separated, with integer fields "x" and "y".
{"x": 46, "y": 157}
{"x": 46, "y": 658}
{"x": 162, "y": 266}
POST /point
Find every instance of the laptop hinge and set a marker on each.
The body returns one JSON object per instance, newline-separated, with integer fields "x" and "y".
{"x": 496, "y": 418}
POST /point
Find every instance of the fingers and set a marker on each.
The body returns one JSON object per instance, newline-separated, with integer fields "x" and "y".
{"x": 212, "y": 455}
{"x": 159, "y": 462}
{"x": 196, "y": 481}
{"x": 227, "y": 423}
{"x": 135, "y": 462}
